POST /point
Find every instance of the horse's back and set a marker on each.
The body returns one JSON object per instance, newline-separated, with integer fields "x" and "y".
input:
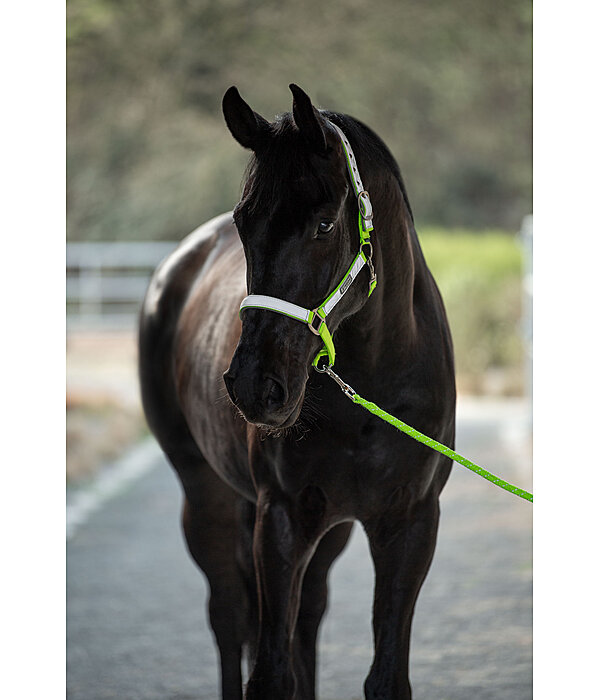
{"x": 174, "y": 280}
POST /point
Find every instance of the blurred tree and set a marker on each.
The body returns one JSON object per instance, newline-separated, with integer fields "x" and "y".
{"x": 447, "y": 85}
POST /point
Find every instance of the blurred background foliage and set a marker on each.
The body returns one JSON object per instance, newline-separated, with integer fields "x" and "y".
{"x": 480, "y": 277}
{"x": 446, "y": 84}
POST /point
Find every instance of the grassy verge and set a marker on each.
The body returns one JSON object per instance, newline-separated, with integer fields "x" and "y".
{"x": 104, "y": 415}
{"x": 479, "y": 276}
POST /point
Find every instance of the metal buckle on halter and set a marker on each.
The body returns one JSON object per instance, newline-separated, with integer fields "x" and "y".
{"x": 365, "y": 207}
{"x": 368, "y": 255}
{"x": 316, "y": 329}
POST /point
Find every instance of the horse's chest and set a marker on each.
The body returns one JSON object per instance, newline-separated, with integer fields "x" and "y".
{"x": 355, "y": 470}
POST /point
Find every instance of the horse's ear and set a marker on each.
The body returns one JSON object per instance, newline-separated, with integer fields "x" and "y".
{"x": 308, "y": 120}
{"x": 247, "y": 127}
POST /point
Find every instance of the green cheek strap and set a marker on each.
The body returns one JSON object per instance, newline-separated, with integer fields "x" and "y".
{"x": 328, "y": 346}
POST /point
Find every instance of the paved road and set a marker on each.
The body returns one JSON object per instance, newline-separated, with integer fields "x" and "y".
{"x": 136, "y": 619}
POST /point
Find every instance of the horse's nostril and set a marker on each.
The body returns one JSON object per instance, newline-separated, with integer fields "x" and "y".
{"x": 274, "y": 393}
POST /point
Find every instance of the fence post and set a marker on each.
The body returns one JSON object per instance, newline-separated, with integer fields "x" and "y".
{"x": 527, "y": 303}
{"x": 90, "y": 282}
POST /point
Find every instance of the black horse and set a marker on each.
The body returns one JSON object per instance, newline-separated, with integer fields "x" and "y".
{"x": 275, "y": 474}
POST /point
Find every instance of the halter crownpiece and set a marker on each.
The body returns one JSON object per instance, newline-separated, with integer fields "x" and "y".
{"x": 316, "y": 319}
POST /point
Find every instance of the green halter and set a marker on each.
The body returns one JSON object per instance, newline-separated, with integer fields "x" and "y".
{"x": 316, "y": 319}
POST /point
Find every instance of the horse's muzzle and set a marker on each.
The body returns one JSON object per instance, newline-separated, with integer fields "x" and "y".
{"x": 262, "y": 398}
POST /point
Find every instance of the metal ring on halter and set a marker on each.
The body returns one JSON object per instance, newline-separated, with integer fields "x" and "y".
{"x": 316, "y": 329}
{"x": 325, "y": 368}
{"x": 368, "y": 255}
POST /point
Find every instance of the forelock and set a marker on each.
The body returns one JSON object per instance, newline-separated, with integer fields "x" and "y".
{"x": 284, "y": 169}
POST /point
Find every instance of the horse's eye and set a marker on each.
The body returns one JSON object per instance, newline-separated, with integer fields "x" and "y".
{"x": 325, "y": 226}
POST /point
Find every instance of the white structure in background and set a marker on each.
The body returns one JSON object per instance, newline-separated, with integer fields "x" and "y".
{"x": 527, "y": 304}
{"x": 106, "y": 282}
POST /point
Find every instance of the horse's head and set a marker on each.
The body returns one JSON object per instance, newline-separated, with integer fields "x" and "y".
{"x": 297, "y": 220}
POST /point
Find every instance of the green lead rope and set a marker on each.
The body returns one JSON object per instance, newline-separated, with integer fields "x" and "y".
{"x": 420, "y": 437}
{"x": 435, "y": 445}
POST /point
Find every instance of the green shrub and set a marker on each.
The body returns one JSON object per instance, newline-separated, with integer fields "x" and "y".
{"x": 479, "y": 276}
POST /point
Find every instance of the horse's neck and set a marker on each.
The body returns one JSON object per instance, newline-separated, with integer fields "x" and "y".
{"x": 387, "y": 321}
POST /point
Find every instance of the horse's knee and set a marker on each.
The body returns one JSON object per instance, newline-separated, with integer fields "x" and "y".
{"x": 228, "y": 612}
{"x": 213, "y": 544}
{"x": 211, "y": 535}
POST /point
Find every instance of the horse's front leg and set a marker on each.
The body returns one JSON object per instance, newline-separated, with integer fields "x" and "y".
{"x": 402, "y": 543}
{"x": 313, "y": 603}
{"x": 282, "y": 547}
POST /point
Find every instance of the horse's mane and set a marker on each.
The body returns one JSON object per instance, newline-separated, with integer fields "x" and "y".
{"x": 370, "y": 149}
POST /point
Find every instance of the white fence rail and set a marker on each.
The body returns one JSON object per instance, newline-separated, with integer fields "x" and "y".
{"x": 106, "y": 282}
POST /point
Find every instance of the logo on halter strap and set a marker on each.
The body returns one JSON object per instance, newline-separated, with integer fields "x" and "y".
{"x": 346, "y": 284}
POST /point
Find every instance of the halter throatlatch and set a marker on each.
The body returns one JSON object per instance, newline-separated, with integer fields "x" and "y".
{"x": 316, "y": 319}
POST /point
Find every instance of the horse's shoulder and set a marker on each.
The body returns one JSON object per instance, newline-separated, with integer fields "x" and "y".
{"x": 175, "y": 275}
